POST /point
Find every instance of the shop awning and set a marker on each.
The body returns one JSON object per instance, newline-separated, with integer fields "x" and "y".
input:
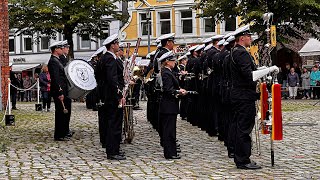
{"x": 311, "y": 48}
{"x": 23, "y": 67}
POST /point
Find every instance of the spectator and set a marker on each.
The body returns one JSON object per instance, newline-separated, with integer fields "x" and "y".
{"x": 20, "y": 93}
{"x": 297, "y": 69}
{"x": 315, "y": 81}
{"x": 305, "y": 76}
{"x": 13, "y": 91}
{"x": 285, "y": 73}
{"x": 27, "y": 84}
{"x": 293, "y": 83}
{"x": 44, "y": 81}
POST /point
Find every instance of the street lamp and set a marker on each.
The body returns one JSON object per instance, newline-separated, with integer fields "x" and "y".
{"x": 148, "y": 16}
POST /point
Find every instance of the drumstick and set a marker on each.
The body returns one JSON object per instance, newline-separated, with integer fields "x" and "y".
{"x": 65, "y": 111}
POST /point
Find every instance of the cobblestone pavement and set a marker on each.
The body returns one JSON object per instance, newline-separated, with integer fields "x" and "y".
{"x": 29, "y": 152}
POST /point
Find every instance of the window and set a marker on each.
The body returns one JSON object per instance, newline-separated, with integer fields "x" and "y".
{"x": 105, "y": 35}
{"x": 165, "y": 22}
{"x": 85, "y": 41}
{"x": 209, "y": 25}
{"x": 144, "y": 25}
{"x": 45, "y": 43}
{"x": 231, "y": 24}
{"x": 11, "y": 44}
{"x": 27, "y": 44}
{"x": 186, "y": 21}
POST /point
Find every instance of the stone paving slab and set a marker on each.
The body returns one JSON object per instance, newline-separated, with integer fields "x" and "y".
{"x": 28, "y": 151}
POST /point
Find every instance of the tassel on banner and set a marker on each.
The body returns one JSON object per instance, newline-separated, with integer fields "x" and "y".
{"x": 264, "y": 107}
{"x": 277, "y": 131}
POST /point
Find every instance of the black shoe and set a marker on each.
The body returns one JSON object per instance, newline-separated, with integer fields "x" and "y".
{"x": 173, "y": 157}
{"x": 14, "y": 108}
{"x": 62, "y": 139}
{"x": 116, "y": 157}
{"x": 249, "y": 166}
{"x": 231, "y": 155}
{"x": 70, "y": 134}
{"x": 178, "y": 150}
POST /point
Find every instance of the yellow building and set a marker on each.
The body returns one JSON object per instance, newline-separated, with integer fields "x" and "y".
{"x": 174, "y": 16}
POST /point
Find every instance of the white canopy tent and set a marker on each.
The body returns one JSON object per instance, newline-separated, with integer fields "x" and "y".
{"x": 311, "y": 48}
{"x": 23, "y": 67}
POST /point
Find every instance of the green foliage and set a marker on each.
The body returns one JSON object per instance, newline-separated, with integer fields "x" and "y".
{"x": 64, "y": 16}
{"x": 292, "y": 17}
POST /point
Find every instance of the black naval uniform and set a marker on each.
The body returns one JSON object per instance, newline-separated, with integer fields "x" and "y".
{"x": 59, "y": 86}
{"x": 113, "y": 83}
{"x": 192, "y": 86}
{"x": 158, "y": 92}
{"x": 91, "y": 98}
{"x": 99, "y": 76}
{"x": 212, "y": 121}
{"x": 168, "y": 110}
{"x": 243, "y": 97}
{"x": 184, "y": 100}
{"x": 226, "y": 104}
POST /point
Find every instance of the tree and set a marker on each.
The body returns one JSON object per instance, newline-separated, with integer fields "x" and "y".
{"x": 47, "y": 17}
{"x": 292, "y": 17}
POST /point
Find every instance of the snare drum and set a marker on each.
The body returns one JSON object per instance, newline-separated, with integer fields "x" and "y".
{"x": 81, "y": 78}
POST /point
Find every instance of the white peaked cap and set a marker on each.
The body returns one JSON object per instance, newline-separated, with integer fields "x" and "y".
{"x": 168, "y": 55}
{"x": 217, "y": 37}
{"x": 231, "y": 38}
{"x": 100, "y": 50}
{"x": 182, "y": 57}
{"x": 110, "y": 39}
{"x": 193, "y": 47}
{"x": 166, "y": 36}
{"x": 200, "y": 47}
{"x": 207, "y": 40}
{"x": 221, "y": 42}
{"x": 56, "y": 44}
{"x": 208, "y": 47}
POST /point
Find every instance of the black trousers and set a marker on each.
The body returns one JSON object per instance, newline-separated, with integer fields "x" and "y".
{"x": 91, "y": 99}
{"x": 183, "y": 107}
{"x": 46, "y": 99}
{"x": 102, "y": 124}
{"x": 13, "y": 92}
{"x": 136, "y": 92}
{"x": 244, "y": 119}
{"x": 113, "y": 119}
{"x": 168, "y": 126}
{"x": 62, "y": 121}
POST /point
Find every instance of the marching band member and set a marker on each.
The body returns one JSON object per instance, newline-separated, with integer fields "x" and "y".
{"x": 212, "y": 103}
{"x": 91, "y": 98}
{"x": 167, "y": 44}
{"x": 184, "y": 101}
{"x": 111, "y": 79}
{"x": 169, "y": 105}
{"x": 101, "y": 112}
{"x": 243, "y": 97}
{"x": 59, "y": 92}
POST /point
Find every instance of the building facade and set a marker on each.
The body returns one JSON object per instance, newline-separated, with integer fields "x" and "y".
{"x": 27, "y": 52}
{"x": 176, "y": 16}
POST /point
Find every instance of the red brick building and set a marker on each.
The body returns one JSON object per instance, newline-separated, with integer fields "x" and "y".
{"x": 4, "y": 49}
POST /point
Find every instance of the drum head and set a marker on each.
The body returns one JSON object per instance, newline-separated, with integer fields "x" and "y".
{"x": 81, "y": 74}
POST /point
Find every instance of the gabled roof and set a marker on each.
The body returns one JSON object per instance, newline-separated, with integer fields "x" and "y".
{"x": 143, "y": 4}
{"x": 311, "y": 48}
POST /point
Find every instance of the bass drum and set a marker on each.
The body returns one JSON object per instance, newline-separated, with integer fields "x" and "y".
{"x": 81, "y": 78}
